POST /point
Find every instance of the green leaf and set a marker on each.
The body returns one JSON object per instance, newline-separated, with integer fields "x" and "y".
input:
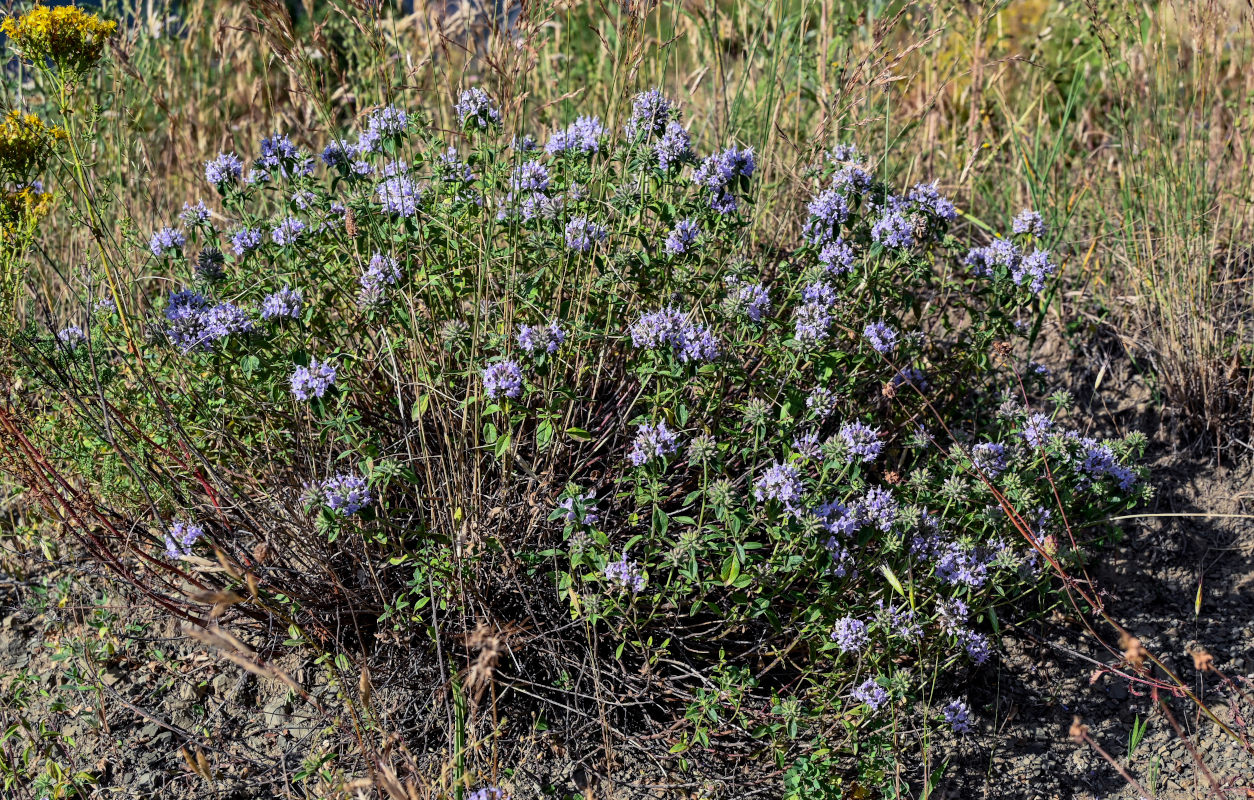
{"x": 730, "y": 571}
{"x": 579, "y": 434}
{"x": 248, "y": 365}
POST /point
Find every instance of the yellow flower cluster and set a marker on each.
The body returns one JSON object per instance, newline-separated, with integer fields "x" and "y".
{"x": 71, "y": 38}
{"x": 25, "y": 145}
{"x": 20, "y": 210}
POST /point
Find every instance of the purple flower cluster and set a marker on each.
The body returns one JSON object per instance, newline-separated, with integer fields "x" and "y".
{"x": 928, "y": 198}
{"x": 781, "y": 483}
{"x": 451, "y": 169}
{"x": 488, "y": 793}
{"x": 877, "y": 508}
{"x": 1037, "y": 429}
{"x": 382, "y": 271}
{"x": 850, "y": 634}
{"x": 580, "y": 509}
{"x": 194, "y": 215}
{"x": 828, "y": 212}
{"x": 682, "y": 236}
{"x": 195, "y": 324}
{"x": 225, "y": 168}
{"x": 286, "y": 302}
{"x": 388, "y": 121}
{"x": 959, "y": 565}
{"x": 165, "y": 240}
{"x": 871, "y": 693}
{"x": 625, "y": 575}
{"x": 313, "y": 380}
{"x": 1099, "y": 461}
{"x": 534, "y": 339}
{"x": 1002, "y": 255}
{"x": 652, "y": 441}
{"x": 690, "y": 341}
{"x": 475, "y": 109}
{"x": 503, "y": 379}
{"x": 345, "y": 494}
{"x": 722, "y": 173}
{"x": 895, "y": 225}
{"x": 581, "y": 136}
{"x": 751, "y": 299}
{"x": 882, "y": 337}
{"x": 288, "y": 231}
{"x": 812, "y": 320}
{"x": 530, "y": 177}
{"x": 673, "y": 147}
{"x": 1029, "y": 222}
{"x": 651, "y": 112}
{"x": 245, "y": 240}
{"x": 582, "y": 234}
{"x": 862, "y": 442}
{"x": 399, "y": 195}
{"x": 957, "y": 715}
{"x": 990, "y": 458}
{"x": 822, "y": 401}
{"x": 181, "y": 537}
{"x": 836, "y": 257}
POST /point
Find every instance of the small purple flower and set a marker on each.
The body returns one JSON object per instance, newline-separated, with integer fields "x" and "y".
{"x": 345, "y": 494}
{"x": 225, "y": 168}
{"x": 958, "y": 565}
{"x": 927, "y": 197}
{"x": 957, "y": 715}
{"x": 894, "y": 228}
{"x": 871, "y": 693}
{"x": 782, "y": 483}
{"x": 71, "y": 336}
{"x": 861, "y": 441}
{"x": 1033, "y": 271}
{"x": 822, "y": 401}
{"x": 338, "y": 154}
{"x": 674, "y": 147}
{"x": 751, "y": 299}
{"x": 1100, "y": 461}
{"x": 382, "y": 271}
{"x": 582, "y": 234}
{"x": 286, "y": 302}
{"x": 105, "y": 305}
{"x": 165, "y": 240}
{"x": 313, "y": 380}
{"x": 534, "y": 339}
{"x": 625, "y": 575}
{"x": 194, "y": 215}
{"x": 388, "y": 121}
{"x": 475, "y": 109}
{"x": 223, "y": 320}
{"x": 580, "y": 509}
{"x": 530, "y": 177}
{"x": 977, "y": 645}
{"x": 682, "y": 236}
{"x": 812, "y": 319}
{"x": 850, "y": 634}
{"x": 657, "y": 328}
{"x": 1029, "y": 222}
{"x": 650, "y": 114}
{"x": 828, "y": 212}
{"x": 836, "y": 257}
{"x": 910, "y": 376}
{"x": 399, "y": 195}
{"x": 807, "y": 444}
{"x": 879, "y": 508}
{"x": 652, "y": 441}
{"x": 952, "y": 615}
{"x": 1037, "y": 429}
{"x": 882, "y": 337}
{"x": 451, "y": 168}
{"x": 582, "y": 136}
{"x": 181, "y": 537}
{"x": 288, "y": 231}
{"x": 245, "y": 240}
{"x": 489, "y": 793}
{"x": 504, "y": 379}
{"x": 990, "y": 458}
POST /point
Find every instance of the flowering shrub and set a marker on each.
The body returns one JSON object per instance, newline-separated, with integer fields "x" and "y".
{"x": 562, "y": 381}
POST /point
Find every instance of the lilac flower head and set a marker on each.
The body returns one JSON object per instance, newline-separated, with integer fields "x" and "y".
{"x": 977, "y": 645}
{"x": 488, "y": 793}
{"x": 871, "y": 693}
{"x": 836, "y": 257}
{"x": 475, "y": 109}
{"x": 580, "y": 509}
{"x": 181, "y": 537}
{"x": 225, "y": 168}
{"x": 650, "y": 113}
{"x": 822, "y": 401}
{"x": 652, "y": 441}
{"x": 105, "y": 305}
{"x": 1029, "y": 222}
{"x": 957, "y": 715}
{"x": 245, "y": 240}
{"x": 1100, "y": 461}
{"x": 504, "y": 379}
{"x": 582, "y": 234}
{"x": 338, "y": 153}
{"x": 530, "y": 177}
{"x": 1037, "y": 429}
{"x": 451, "y": 168}
{"x": 657, "y": 328}
{"x": 807, "y": 444}
{"x": 958, "y": 565}
{"x": 990, "y": 458}
{"x": 753, "y": 300}
{"x": 277, "y": 151}
{"x": 828, "y": 212}
{"x": 882, "y": 337}
{"x": 581, "y": 136}
{"x": 345, "y": 494}
{"x": 388, "y": 121}
{"x": 894, "y": 228}
{"x": 1033, "y": 271}
{"x": 286, "y": 302}
{"x": 313, "y": 380}
{"x": 927, "y": 197}
{"x": 223, "y": 320}
{"x": 1000, "y": 253}
{"x": 625, "y": 574}
{"x": 523, "y": 144}
{"x": 682, "y": 236}
{"x": 879, "y": 508}
{"x": 952, "y": 615}
{"x": 861, "y": 441}
{"x": 535, "y": 339}
{"x": 850, "y": 634}
{"x": 71, "y": 335}
{"x": 399, "y": 195}
{"x": 165, "y": 240}
{"x": 194, "y": 215}
{"x": 673, "y": 147}
{"x": 782, "y": 483}
{"x": 288, "y": 231}
{"x": 812, "y": 319}
{"x": 910, "y": 376}
{"x": 382, "y": 271}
